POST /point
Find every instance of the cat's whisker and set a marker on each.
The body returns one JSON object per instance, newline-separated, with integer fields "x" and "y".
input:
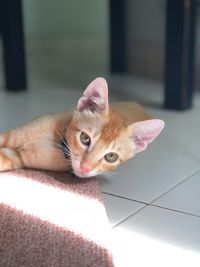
{"x": 57, "y": 150}
{"x": 63, "y": 147}
{"x": 62, "y": 141}
{"x": 58, "y": 145}
{"x": 68, "y": 156}
{"x": 59, "y": 134}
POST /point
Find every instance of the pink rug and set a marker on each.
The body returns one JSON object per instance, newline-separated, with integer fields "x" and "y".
{"x": 49, "y": 219}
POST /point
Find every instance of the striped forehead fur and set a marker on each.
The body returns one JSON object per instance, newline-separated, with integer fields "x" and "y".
{"x": 113, "y": 127}
{"x": 109, "y": 125}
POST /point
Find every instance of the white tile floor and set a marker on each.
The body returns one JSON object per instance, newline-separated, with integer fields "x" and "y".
{"x": 153, "y": 201}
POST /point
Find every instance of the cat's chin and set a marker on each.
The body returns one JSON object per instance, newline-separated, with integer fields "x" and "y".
{"x": 87, "y": 175}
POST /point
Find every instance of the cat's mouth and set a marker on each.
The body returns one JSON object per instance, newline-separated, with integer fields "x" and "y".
{"x": 80, "y": 172}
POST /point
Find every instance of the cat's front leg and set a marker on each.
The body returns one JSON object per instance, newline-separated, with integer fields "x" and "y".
{"x": 16, "y": 138}
{"x": 33, "y": 157}
{"x": 9, "y": 160}
{"x": 26, "y": 134}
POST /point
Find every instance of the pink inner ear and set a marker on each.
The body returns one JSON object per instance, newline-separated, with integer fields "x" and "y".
{"x": 95, "y": 96}
{"x": 145, "y": 132}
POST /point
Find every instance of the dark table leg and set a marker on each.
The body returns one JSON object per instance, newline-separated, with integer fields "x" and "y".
{"x": 117, "y": 36}
{"x": 13, "y": 45}
{"x": 179, "y": 54}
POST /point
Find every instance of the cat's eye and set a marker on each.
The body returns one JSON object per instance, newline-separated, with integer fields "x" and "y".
{"x": 111, "y": 157}
{"x": 85, "y": 139}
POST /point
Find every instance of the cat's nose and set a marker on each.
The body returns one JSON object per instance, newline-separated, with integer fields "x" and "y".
{"x": 85, "y": 168}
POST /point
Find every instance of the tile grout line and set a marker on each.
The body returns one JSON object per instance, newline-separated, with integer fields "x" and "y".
{"x": 175, "y": 186}
{"x": 150, "y": 203}
{"x": 126, "y": 198}
{"x": 156, "y": 206}
{"x": 179, "y": 211}
{"x": 129, "y": 216}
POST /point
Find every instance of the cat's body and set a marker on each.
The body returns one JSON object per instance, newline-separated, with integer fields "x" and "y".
{"x": 36, "y": 144}
{"x": 96, "y": 138}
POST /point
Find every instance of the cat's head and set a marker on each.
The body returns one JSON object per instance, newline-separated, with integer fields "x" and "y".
{"x": 99, "y": 138}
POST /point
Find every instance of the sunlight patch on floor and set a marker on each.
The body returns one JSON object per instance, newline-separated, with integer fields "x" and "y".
{"x": 79, "y": 214}
{"x": 132, "y": 249}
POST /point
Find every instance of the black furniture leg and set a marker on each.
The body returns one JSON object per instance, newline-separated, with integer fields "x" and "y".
{"x": 179, "y": 54}
{"x": 117, "y": 36}
{"x": 13, "y": 45}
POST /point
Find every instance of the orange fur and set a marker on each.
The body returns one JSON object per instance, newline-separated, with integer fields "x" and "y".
{"x": 39, "y": 144}
{"x": 115, "y": 124}
{"x": 35, "y": 142}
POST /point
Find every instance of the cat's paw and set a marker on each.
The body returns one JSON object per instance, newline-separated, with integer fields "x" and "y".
{"x": 8, "y": 159}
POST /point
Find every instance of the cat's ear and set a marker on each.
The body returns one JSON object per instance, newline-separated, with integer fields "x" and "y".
{"x": 144, "y": 132}
{"x": 95, "y": 97}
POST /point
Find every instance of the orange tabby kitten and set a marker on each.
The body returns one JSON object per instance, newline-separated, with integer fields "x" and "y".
{"x": 96, "y": 138}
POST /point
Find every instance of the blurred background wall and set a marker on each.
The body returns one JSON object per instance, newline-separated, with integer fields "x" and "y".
{"x": 71, "y": 18}
{"x": 146, "y": 37}
{"x": 49, "y": 24}
{"x": 68, "y": 41}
